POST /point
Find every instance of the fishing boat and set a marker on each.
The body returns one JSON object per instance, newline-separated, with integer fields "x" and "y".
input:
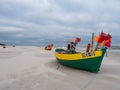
{"x": 4, "y": 46}
{"x": 49, "y": 47}
{"x": 90, "y": 60}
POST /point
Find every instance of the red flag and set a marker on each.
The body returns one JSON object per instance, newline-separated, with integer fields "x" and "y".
{"x": 108, "y": 40}
{"x": 78, "y": 39}
{"x": 108, "y": 44}
{"x": 101, "y": 37}
{"x": 108, "y": 37}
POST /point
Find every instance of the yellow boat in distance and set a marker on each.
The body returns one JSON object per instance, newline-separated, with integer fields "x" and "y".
{"x": 49, "y": 47}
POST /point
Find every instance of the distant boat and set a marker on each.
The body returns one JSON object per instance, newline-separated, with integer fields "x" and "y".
{"x": 88, "y": 60}
{"x": 49, "y": 47}
{"x": 4, "y": 46}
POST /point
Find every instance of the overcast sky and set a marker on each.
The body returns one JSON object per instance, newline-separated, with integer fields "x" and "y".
{"x": 34, "y": 20}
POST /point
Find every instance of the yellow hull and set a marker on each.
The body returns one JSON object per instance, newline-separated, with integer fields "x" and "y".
{"x": 79, "y": 56}
{"x": 48, "y": 48}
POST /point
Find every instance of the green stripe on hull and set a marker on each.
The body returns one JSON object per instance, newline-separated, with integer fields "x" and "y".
{"x": 92, "y": 65}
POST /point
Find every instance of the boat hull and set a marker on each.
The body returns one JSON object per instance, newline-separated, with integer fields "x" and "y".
{"x": 89, "y": 62}
{"x": 48, "y": 48}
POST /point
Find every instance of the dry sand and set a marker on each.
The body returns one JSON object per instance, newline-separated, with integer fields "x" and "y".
{"x": 33, "y": 68}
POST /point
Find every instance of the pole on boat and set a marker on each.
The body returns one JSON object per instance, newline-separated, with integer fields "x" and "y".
{"x": 92, "y": 41}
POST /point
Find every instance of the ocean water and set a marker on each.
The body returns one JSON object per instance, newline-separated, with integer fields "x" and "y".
{"x": 56, "y": 41}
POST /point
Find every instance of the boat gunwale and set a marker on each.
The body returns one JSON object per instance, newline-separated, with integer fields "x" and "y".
{"x": 78, "y": 56}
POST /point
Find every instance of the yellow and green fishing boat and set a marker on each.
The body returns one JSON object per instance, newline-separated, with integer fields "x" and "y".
{"x": 90, "y": 61}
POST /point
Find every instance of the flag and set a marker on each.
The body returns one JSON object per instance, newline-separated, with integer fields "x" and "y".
{"x": 108, "y": 37}
{"x": 73, "y": 40}
{"x": 96, "y": 38}
{"x": 108, "y": 44}
{"x": 101, "y": 37}
{"x": 108, "y": 40}
{"x": 78, "y": 39}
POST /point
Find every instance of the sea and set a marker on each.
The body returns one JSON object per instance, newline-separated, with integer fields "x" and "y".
{"x": 56, "y": 41}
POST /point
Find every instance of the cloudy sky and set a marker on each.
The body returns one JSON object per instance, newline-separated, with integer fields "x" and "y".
{"x": 35, "y": 21}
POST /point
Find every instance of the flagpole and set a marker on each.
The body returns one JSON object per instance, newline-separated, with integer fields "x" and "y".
{"x": 92, "y": 42}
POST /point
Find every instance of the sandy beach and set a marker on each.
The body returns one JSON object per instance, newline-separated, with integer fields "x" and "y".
{"x": 33, "y": 68}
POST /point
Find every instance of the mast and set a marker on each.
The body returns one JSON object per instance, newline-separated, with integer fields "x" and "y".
{"x": 92, "y": 41}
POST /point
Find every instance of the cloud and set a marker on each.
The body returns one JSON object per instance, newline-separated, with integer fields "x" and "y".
{"x": 9, "y": 29}
{"x": 38, "y": 19}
